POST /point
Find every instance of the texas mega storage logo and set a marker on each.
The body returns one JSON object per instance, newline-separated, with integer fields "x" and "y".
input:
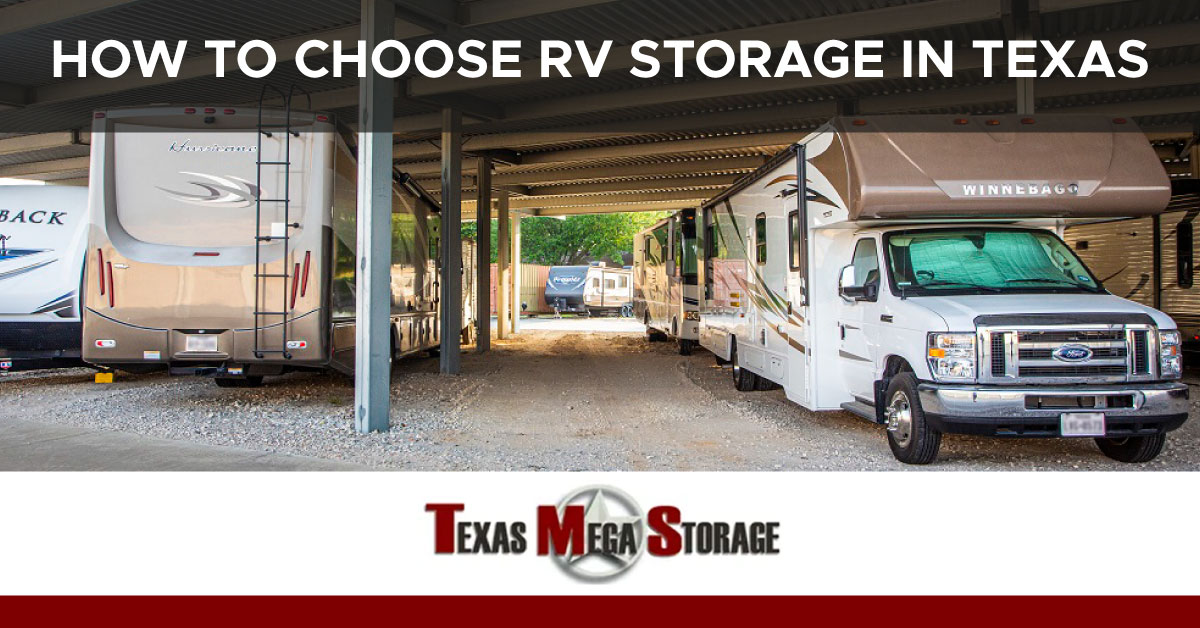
{"x": 597, "y": 533}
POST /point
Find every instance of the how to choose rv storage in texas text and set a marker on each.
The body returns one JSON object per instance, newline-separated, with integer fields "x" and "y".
{"x": 864, "y": 58}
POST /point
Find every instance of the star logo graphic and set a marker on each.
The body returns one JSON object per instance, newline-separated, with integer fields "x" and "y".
{"x": 604, "y": 506}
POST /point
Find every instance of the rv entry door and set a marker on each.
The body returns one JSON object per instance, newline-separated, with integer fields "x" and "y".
{"x": 858, "y": 319}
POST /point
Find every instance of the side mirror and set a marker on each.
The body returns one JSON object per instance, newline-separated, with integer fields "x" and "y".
{"x": 846, "y": 287}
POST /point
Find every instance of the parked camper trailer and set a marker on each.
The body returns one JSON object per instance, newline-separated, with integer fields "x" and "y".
{"x": 590, "y": 290}
{"x": 223, "y": 243}
{"x": 665, "y": 293}
{"x": 909, "y": 269}
{"x": 43, "y": 231}
{"x": 1151, "y": 259}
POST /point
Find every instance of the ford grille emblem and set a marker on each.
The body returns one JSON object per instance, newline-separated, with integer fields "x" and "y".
{"x": 1073, "y": 353}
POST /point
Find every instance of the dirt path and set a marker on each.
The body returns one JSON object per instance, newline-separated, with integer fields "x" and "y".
{"x": 545, "y": 400}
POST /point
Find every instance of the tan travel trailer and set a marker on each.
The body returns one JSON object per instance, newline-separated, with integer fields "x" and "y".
{"x": 222, "y": 243}
{"x": 910, "y": 270}
{"x": 1150, "y": 260}
{"x": 665, "y": 294}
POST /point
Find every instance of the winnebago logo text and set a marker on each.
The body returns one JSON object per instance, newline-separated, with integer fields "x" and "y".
{"x": 186, "y": 146}
{"x": 598, "y": 532}
{"x": 1019, "y": 189}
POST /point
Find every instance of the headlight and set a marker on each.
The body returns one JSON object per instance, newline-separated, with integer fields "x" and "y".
{"x": 691, "y": 316}
{"x": 952, "y": 356}
{"x": 1170, "y": 356}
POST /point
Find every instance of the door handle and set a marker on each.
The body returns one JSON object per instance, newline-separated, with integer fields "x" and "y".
{"x": 886, "y": 318}
{"x": 842, "y": 328}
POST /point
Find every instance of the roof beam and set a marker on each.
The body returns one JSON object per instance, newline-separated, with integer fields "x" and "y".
{"x": 623, "y": 207}
{"x": 718, "y": 165}
{"x": 540, "y": 202}
{"x": 33, "y": 14}
{"x": 759, "y": 116}
{"x": 765, "y": 143}
{"x": 41, "y": 141}
{"x": 703, "y": 182}
{"x": 39, "y": 168}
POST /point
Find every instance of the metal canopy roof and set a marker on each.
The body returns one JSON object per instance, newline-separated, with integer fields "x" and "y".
{"x": 611, "y": 143}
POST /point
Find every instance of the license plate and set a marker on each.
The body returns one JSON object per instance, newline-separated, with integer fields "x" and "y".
{"x": 201, "y": 344}
{"x": 1082, "y": 423}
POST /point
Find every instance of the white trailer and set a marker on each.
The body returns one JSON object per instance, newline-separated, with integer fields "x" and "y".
{"x": 666, "y": 296}
{"x": 43, "y": 232}
{"x": 909, "y": 269}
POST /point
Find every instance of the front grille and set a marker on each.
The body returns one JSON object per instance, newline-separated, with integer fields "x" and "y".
{"x": 1048, "y": 354}
{"x": 998, "y": 353}
{"x": 1121, "y": 352}
{"x": 1082, "y": 336}
{"x": 1070, "y": 371}
{"x": 1141, "y": 352}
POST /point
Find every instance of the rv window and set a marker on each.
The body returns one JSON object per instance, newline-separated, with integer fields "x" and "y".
{"x": 794, "y": 235}
{"x": 596, "y": 282}
{"x": 1183, "y": 253}
{"x": 866, "y": 262}
{"x": 678, "y": 249}
{"x": 760, "y": 237}
{"x": 623, "y": 281}
{"x": 610, "y": 284}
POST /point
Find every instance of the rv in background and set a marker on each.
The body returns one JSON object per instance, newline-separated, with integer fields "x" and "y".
{"x": 590, "y": 290}
{"x": 665, "y": 294}
{"x": 223, "y": 244}
{"x": 43, "y": 232}
{"x": 909, "y": 269}
{"x": 1150, "y": 260}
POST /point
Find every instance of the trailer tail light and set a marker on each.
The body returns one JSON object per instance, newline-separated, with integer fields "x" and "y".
{"x": 859, "y": 122}
{"x": 106, "y": 344}
{"x": 1026, "y": 120}
{"x": 189, "y": 110}
{"x": 205, "y": 254}
{"x": 99, "y": 115}
{"x": 322, "y": 118}
{"x": 112, "y": 288}
{"x": 100, "y": 275}
{"x": 230, "y": 112}
{"x": 960, "y": 121}
{"x": 1119, "y": 120}
{"x": 210, "y": 110}
{"x": 992, "y": 122}
{"x": 304, "y": 280}
{"x": 295, "y": 283}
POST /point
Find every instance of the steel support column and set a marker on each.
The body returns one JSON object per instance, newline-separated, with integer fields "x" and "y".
{"x": 516, "y": 272}
{"x": 483, "y": 256}
{"x": 451, "y": 250}
{"x": 373, "y": 333}
{"x": 503, "y": 279}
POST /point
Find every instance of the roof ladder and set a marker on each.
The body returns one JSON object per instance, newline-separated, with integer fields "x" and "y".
{"x": 263, "y": 315}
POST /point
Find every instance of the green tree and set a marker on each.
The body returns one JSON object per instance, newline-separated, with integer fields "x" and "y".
{"x": 575, "y": 239}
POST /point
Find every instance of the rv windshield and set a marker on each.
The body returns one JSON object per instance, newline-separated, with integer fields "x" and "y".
{"x": 983, "y": 260}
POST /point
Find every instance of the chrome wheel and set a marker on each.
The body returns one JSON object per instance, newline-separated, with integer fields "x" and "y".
{"x": 899, "y": 418}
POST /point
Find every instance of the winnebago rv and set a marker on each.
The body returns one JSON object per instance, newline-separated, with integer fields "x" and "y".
{"x": 909, "y": 269}
{"x": 43, "y": 231}
{"x": 1150, "y": 260}
{"x": 223, "y": 244}
{"x": 590, "y": 290}
{"x": 665, "y": 294}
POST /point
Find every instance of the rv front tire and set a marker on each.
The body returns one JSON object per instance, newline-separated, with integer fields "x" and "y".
{"x": 912, "y": 439}
{"x": 1134, "y": 448}
{"x": 686, "y": 346}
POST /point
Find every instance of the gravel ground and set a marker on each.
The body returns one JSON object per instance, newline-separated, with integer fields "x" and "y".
{"x": 546, "y": 400}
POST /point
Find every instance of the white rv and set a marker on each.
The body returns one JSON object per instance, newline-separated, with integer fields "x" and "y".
{"x": 665, "y": 293}
{"x": 223, "y": 242}
{"x": 909, "y": 269}
{"x": 43, "y": 231}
